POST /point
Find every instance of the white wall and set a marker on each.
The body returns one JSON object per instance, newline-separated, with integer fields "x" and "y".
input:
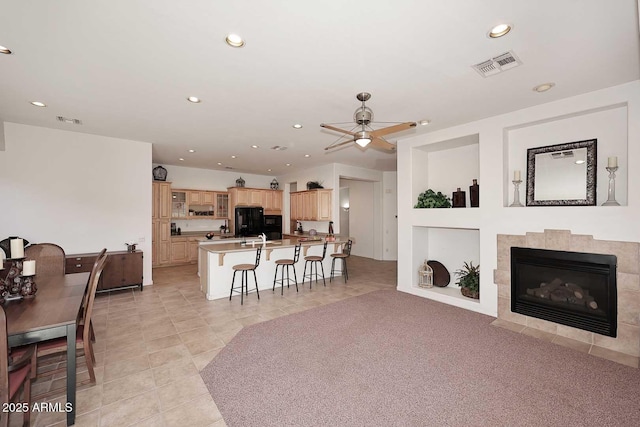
{"x": 82, "y": 192}
{"x": 493, "y": 217}
{"x": 389, "y": 216}
{"x": 361, "y": 205}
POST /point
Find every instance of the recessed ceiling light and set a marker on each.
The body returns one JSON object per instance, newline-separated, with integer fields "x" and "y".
{"x": 255, "y": 146}
{"x": 543, "y": 87}
{"x": 424, "y": 122}
{"x": 307, "y": 155}
{"x": 579, "y": 162}
{"x": 192, "y": 151}
{"x": 288, "y": 164}
{"x": 219, "y": 163}
{"x": 5, "y": 50}
{"x": 181, "y": 159}
{"x": 499, "y": 31}
{"x": 297, "y": 126}
{"x": 233, "y": 157}
{"x": 194, "y": 99}
{"x": 234, "y": 40}
{"x": 38, "y": 104}
{"x": 268, "y": 170}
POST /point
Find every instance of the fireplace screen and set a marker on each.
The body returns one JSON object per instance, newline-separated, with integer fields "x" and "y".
{"x": 571, "y": 288}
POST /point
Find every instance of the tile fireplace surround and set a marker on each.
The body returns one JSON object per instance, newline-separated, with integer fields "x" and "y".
{"x": 625, "y": 348}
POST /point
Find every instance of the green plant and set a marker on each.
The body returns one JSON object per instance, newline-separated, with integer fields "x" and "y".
{"x": 431, "y": 199}
{"x": 469, "y": 277}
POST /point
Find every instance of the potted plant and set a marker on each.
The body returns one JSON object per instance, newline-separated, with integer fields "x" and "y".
{"x": 431, "y": 199}
{"x": 469, "y": 280}
{"x": 312, "y": 185}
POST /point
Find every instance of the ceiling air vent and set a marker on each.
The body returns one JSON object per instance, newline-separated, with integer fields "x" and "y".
{"x": 496, "y": 65}
{"x": 278, "y": 148}
{"x": 68, "y": 120}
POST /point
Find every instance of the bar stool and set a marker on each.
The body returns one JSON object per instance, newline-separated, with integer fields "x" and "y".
{"x": 287, "y": 263}
{"x": 346, "y": 251}
{"x": 244, "y": 285}
{"x": 314, "y": 260}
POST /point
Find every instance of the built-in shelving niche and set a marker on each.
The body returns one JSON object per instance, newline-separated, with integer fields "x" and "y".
{"x": 446, "y": 166}
{"x": 451, "y": 247}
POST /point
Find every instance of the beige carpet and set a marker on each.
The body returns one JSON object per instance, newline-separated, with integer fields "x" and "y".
{"x": 392, "y": 359}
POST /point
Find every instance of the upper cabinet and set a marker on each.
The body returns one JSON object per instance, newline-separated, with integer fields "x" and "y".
{"x": 269, "y": 200}
{"x": 198, "y": 204}
{"x": 311, "y": 205}
{"x": 161, "y": 200}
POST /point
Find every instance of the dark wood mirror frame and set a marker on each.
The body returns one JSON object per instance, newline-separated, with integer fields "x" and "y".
{"x": 590, "y": 184}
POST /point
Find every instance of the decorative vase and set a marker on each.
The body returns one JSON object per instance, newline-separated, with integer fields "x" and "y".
{"x": 240, "y": 182}
{"x": 159, "y": 173}
{"x": 459, "y": 199}
{"x": 474, "y": 194}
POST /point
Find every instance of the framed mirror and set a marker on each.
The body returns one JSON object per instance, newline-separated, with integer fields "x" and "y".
{"x": 562, "y": 174}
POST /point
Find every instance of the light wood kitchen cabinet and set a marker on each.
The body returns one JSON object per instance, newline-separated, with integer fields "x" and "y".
{"x": 202, "y": 198}
{"x": 179, "y": 250}
{"x": 161, "y": 197}
{"x": 193, "y": 248}
{"x": 272, "y": 202}
{"x": 222, "y": 205}
{"x": 311, "y": 205}
{"x": 161, "y": 224}
{"x": 256, "y": 197}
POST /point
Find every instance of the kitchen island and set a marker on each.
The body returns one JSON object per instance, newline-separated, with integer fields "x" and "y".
{"x": 216, "y": 262}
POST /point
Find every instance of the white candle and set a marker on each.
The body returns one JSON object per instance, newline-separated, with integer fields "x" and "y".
{"x": 17, "y": 248}
{"x": 516, "y": 175}
{"x": 29, "y": 268}
{"x": 612, "y": 162}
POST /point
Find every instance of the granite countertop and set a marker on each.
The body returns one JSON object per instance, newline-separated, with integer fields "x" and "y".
{"x": 271, "y": 244}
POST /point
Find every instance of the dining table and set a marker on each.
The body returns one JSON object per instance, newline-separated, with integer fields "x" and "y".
{"x": 51, "y": 313}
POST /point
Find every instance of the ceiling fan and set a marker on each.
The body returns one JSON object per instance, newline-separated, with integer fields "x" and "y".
{"x": 363, "y": 134}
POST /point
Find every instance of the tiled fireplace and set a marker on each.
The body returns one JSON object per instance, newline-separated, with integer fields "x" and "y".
{"x": 625, "y": 347}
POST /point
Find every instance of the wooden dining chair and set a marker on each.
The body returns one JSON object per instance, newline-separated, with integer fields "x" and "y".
{"x": 49, "y": 257}
{"x": 84, "y": 329}
{"x": 15, "y": 373}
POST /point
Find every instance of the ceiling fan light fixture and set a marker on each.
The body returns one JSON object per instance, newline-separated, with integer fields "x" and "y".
{"x": 362, "y": 138}
{"x": 5, "y": 50}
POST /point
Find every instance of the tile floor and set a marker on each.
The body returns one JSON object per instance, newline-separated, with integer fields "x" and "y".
{"x": 151, "y": 345}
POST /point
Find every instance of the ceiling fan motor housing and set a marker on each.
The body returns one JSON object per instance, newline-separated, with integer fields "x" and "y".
{"x": 363, "y": 115}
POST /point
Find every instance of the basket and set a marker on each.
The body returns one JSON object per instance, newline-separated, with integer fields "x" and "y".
{"x": 469, "y": 293}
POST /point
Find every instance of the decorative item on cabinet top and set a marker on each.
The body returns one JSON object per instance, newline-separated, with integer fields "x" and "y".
{"x": 274, "y": 184}
{"x": 159, "y": 173}
{"x": 240, "y": 182}
{"x": 311, "y": 185}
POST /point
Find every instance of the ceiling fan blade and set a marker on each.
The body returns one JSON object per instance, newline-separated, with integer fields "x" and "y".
{"x": 381, "y": 143}
{"x": 339, "y": 145}
{"x": 392, "y": 129}
{"x": 326, "y": 126}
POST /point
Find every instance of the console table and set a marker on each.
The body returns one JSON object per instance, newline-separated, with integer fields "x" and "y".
{"x": 123, "y": 269}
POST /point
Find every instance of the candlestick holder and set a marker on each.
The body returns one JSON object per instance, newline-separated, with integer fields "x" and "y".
{"x": 611, "y": 193}
{"x": 516, "y": 194}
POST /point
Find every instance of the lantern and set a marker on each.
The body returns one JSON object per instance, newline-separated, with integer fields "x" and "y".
{"x": 274, "y": 184}
{"x": 425, "y": 276}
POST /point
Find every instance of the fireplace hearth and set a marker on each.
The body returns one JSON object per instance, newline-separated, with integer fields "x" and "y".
{"x": 570, "y": 288}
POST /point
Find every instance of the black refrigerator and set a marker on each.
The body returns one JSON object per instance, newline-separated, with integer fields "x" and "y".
{"x": 249, "y": 221}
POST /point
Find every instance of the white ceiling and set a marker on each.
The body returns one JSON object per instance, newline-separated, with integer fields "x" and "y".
{"x": 125, "y": 67}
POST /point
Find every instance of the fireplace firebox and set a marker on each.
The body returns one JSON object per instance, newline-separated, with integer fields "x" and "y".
{"x": 570, "y": 288}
